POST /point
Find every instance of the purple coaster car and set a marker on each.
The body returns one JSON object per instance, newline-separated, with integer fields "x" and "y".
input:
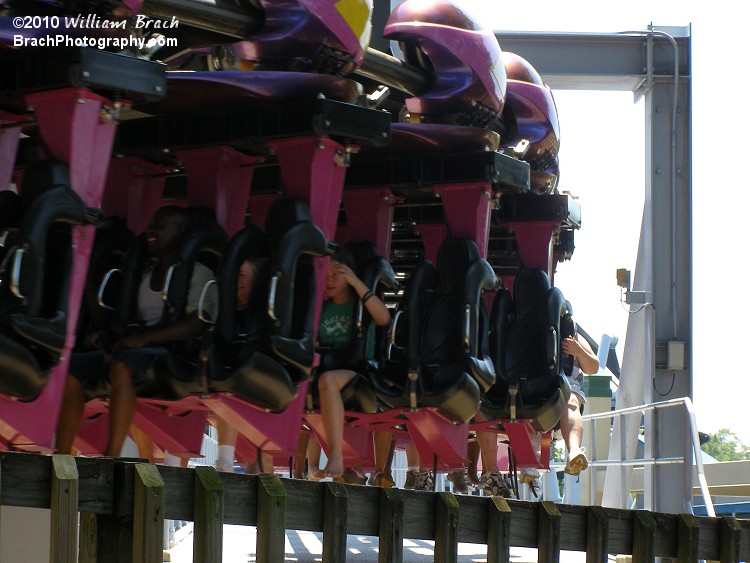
{"x": 467, "y": 62}
{"x": 531, "y": 116}
{"x": 325, "y": 36}
{"x": 188, "y": 91}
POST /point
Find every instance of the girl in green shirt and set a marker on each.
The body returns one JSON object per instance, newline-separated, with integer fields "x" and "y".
{"x": 335, "y": 330}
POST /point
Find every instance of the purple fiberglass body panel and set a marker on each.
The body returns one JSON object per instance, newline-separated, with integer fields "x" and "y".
{"x": 188, "y": 90}
{"x": 436, "y": 138}
{"x": 469, "y": 74}
{"x": 530, "y": 106}
{"x": 301, "y": 29}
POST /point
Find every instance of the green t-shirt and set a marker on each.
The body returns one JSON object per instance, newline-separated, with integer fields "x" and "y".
{"x": 336, "y": 328}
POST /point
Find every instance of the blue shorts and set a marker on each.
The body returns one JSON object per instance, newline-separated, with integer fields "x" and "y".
{"x": 91, "y": 369}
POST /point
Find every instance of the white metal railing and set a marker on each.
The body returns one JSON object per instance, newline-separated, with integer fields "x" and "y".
{"x": 624, "y": 462}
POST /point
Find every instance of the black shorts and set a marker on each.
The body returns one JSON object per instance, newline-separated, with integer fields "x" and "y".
{"x": 91, "y": 369}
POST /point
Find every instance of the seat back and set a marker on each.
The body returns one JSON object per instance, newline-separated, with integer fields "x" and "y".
{"x": 526, "y": 349}
{"x": 111, "y": 243}
{"x": 445, "y": 360}
{"x": 294, "y": 241}
{"x": 35, "y": 279}
{"x": 456, "y": 339}
{"x": 241, "y": 360}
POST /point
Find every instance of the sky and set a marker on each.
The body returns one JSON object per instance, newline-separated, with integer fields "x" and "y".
{"x": 602, "y": 162}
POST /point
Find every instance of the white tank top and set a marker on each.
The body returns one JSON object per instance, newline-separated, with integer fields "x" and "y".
{"x": 150, "y": 302}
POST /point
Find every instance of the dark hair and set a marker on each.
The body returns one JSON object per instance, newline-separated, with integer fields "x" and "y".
{"x": 346, "y": 258}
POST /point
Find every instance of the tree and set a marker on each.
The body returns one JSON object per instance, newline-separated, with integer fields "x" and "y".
{"x": 724, "y": 445}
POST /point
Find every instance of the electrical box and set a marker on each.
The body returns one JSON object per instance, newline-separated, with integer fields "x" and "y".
{"x": 675, "y": 355}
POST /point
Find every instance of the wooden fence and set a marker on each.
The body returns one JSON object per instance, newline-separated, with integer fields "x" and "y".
{"x": 123, "y": 504}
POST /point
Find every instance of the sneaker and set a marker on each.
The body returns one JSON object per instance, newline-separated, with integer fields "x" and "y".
{"x": 496, "y": 485}
{"x": 424, "y": 481}
{"x": 224, "y": 466}
{"x": 411, "y": 478}
{"x": 577, "y": 461}
{"x": 530, "y": 477}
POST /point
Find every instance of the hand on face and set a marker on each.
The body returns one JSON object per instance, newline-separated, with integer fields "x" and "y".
{"x": 340, "y": 277}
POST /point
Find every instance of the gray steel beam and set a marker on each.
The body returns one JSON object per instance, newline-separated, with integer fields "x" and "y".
{"x": 597, "y": 61}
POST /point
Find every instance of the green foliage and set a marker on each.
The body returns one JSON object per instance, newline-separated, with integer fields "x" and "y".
{"x": 724, "y": 445}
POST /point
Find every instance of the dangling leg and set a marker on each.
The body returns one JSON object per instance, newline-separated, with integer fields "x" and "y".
{"x": 330, "y": 384}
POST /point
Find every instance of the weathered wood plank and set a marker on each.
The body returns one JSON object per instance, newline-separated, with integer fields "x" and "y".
{"x": 106, "y": 489}
{"x": 446, "y": 527}
{"x": 148, "y": 514}
{"x": 687, "y": 538}
{"x": 644, "y": 536}
{"x": 271, "y": 519}
{"x": 391, "y": 536}
{"x": 498, "y": 531}
{"x": 549, "y": 532}
{"x": 597, "y": 530}
{"x": 87, "y": 538}
{"x": 26, "y": 480}
{"x": 64, "y": 513}
{"x": 731, "y": 536}
{"x": 573, "y": 523}
{"x": 335, "y": 522}
{"x": 208, "y": 528}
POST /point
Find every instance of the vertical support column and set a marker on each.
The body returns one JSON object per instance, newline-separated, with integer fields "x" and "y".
{"x": 135, "y": 190}
{"x": 432, "y": 235}
{"x": 370, "y": 217}
{"x": 313, "y": 169}
{"x": 77, "y": 129}
{"x": 9, "y": 138}
{"x": 220, "y": 178}
{"x": 669, "y": 197}
{"x": 467, "y": 209}
{"x": 533, "y": 242}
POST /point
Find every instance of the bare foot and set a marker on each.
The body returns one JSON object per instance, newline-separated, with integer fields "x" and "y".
{"x": 334, "y": 468}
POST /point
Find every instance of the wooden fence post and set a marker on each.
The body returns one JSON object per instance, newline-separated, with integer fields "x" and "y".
{"x": 687, "y": 538}
{"x": 498, "y": 531}
{"x": 391, "y": 526}
{"x": 148, "y": 514}
{"x": 597, "y": 532}
{"x": 446, "y": 528}
{"x": 731, "y": 536}
{"x": 644, "y": 536}
{"x": 549, "y": 532}
{"x": 335, "y": 522}
{"x": 208, "y": 516}
{"x": 271, "y": 520}
{"x": 64, "y": 513}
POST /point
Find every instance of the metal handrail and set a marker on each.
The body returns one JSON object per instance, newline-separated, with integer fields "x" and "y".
{"x": 681, "y": 401}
